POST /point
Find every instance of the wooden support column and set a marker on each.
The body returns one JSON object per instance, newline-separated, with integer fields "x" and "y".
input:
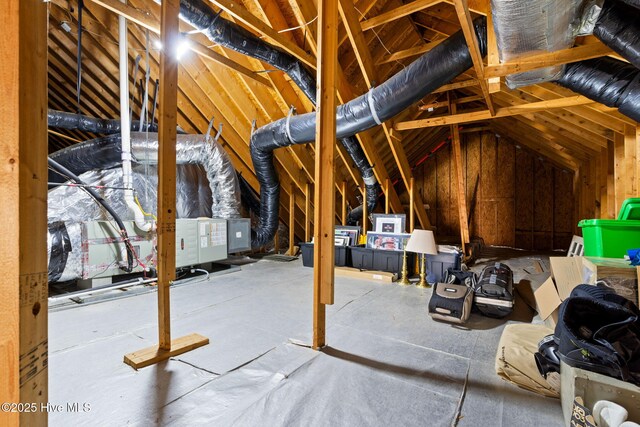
{"x": 292, "y": 218}
{"x": 168, "y": 102}
{"x": 324, "y": 206}
{"x": 365, "y": 211}
{"x": 460, "y": 185}
{"x": 386, "y": 196}
{"x": 412, "y": 215}
{"x": 344, "y": 202}
{"x": 23, "y": 206}
{"x": 307, "y": 212}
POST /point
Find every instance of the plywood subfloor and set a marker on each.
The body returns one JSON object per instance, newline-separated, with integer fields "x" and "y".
{"x": 387, "y": 362}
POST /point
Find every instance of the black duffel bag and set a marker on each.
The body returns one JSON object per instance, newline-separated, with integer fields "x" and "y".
{"x": 599, "y": 331}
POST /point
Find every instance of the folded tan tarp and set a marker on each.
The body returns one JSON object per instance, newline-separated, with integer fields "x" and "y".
{"x": 515, "y": 362}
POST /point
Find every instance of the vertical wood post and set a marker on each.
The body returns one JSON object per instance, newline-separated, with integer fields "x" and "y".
{"x": 460, "y": 193}
{"x": 23, "y": 207}
{"x": 324, "y": 206}
{"x": 412, "y": 215}
{"x": 168, "y": 102}
{"x": 292, "y": 219}
{"x": 307, "y": 212}
{"x": 386, "y": 196}
{"x": 365, "y": 211}
{"x": 343, "y": 190}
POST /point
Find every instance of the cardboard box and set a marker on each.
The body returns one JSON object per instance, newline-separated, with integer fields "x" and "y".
{"x": 592, "y": 387}
{"x": 619, "y": 269}
{"x": 569, "y": 272}
{"x": 380, "y": 276}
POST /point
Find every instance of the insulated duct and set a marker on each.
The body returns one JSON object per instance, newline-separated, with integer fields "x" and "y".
{"x": 64, "y": 120}
{"x": 608, "y": 81}
{"x": 534, "y": 26}
{"x": 206, "y": 182}
{"x": 105, "y": 154}
{"x": 618, "y": 26}
{"x": 227, "y": 34}
{"x": 433, "y": 69}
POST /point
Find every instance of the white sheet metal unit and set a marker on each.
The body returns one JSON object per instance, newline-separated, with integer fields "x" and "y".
{"x": 212, "y": 239}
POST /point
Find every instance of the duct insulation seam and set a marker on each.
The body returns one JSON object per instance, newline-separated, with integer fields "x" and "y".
{"x": 207, "y": 186}
{"x": 530, "y": 27}
{"x": 608, "y": 81}
{"x": 231, "y": 36}
{"x": 618, "y": 26}
{"x": 430, "y": 71}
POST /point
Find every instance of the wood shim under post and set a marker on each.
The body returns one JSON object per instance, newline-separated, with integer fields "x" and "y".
{"x": 166, "y": 200}
{"x": 23, "y": 206}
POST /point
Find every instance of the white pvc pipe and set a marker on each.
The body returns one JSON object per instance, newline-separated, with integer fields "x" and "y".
{"x": 125, "y": 129}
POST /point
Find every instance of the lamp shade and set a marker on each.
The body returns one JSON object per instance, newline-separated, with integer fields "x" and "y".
{"x": 422, "y": 242}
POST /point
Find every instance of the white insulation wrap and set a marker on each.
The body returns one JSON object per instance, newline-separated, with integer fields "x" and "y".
{"x": 529, "y": 27}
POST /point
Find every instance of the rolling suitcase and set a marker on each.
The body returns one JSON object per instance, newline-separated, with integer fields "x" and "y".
{"x": 451, "y": 303}
{"x": 494, "y": 291}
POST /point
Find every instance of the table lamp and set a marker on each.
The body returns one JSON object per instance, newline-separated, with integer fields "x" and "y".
{"x": 422, "y": 242}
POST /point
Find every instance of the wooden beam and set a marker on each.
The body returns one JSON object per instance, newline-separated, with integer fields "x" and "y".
{"x": 412, "y": 216}
{"x": 398, "y": 13}
{"x": 501, "y": 112}
{"x": 354, "y": 32}
{"x": 307, "y": 212}
{"x": 528, "y": 63}
{"x": 413, "y": 51}
{"x": 386, "y": 198}
{"x": 344, "y": 203}
{"x": 460, "y": 184}
{"x": 365, "y": 211}
{"x": 238, "y": 12}
{"x": 167, "y": 120}
{"x": 23, "y": 205}
{"x": 292, "y": 218}
{"x": 327, "y": 66}
{"x": 492, "y": 55}
{"x": 457, "y": 85}
{"x": 462, "y": 9}
{"x": 144, "y": 20}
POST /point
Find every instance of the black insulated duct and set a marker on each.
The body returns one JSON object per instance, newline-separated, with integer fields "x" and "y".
{"x": 608, "y": 81}
{"x": 64, "y": 120}
{"x": 634, "y": 3}
{"x": 618, "y": 27}
{"x": 435, "y": 68}
{"x": 227, "y": 34}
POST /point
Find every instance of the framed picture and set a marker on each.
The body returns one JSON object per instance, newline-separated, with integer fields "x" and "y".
{"x": 352, "y": 232}
{"x": 341, "y": 240}
{"x": 387, "y": 241}
{"x": 389, "y": 223}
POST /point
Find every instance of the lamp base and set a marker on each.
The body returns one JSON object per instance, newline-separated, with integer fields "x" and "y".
{"x": 423, "y": 284}
{"x": 405, "y": 280}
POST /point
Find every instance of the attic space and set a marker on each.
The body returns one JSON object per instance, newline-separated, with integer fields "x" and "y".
{"x": 320, "y": 212}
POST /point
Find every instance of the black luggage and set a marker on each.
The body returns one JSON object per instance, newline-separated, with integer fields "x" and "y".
{"x": 460, "y": 277}
{"x": 494, "y": 291}
{"x": 451, "y": 303}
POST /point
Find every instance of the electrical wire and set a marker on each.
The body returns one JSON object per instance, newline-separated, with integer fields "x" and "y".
{"x": 299, "y": 26}
{"x": 135, "y": 197}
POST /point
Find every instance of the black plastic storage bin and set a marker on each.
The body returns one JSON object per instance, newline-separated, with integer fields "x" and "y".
{"x": 391, "y": 261}
{"x": 341, "y": 255}
{"x": 437, "y": 265}
{"x": 361, "y": 257}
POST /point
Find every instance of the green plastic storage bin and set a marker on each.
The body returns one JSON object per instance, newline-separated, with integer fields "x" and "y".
{"x": 630, "y": 209}
{"x": 609, "y": 238}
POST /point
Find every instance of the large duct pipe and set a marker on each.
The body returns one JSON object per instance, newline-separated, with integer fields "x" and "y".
{"x": 72, "y": 121}
{"x": 618, "y": 26}
{"x": 608, "y": 81}
{"x": 106, "y": 152}
{"x": 435, "y": 68}
{"x": 227, "y": 34}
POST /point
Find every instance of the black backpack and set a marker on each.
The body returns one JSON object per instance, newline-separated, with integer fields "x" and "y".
{"x": 460, "y": 277}
{"x": 599, "y": 331}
